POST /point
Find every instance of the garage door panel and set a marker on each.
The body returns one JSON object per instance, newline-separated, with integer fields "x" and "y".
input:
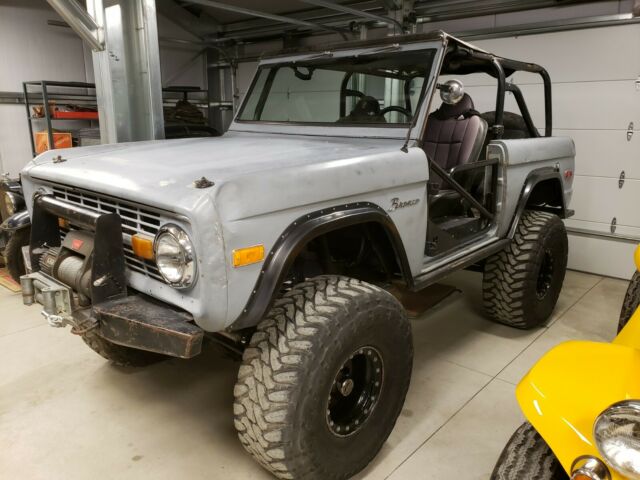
{"x": 593, "y": 105}
{"x": 602, "y": 53}
{"x": 605, "y": 228}
{"x": 605, "y": 153}
{"x": 600, "y": 255}
{"x": 589, "y": 105}
{"x": 599, "y": 199}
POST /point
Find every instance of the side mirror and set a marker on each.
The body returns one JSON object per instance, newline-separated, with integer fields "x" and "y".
{"x": 451, "y": 92}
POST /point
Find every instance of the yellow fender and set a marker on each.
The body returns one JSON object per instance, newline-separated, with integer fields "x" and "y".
{"x": 573, "y": 383}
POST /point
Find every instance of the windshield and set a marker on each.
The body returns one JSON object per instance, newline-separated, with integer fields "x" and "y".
{"x": 378, "y": 89}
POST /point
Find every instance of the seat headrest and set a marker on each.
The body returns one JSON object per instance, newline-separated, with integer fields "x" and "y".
{"x": 366, "y": 106}
{"x": 464, "y": 106}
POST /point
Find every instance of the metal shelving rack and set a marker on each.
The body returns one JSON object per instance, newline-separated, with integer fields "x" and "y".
{"x": 46, "y": 95}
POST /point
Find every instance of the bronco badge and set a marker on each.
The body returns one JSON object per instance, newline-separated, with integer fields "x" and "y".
{"x": 396, "y": 204}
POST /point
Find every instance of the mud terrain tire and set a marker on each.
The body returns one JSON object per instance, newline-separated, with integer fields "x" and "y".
{"x": 631, "y": 301}
{"x": 298, "y": 410}
{"x": 521, "y": 284}
{"x": 13, "y": 252}
{"x": 119, "y": 355}
{"x": 526, "y": 456}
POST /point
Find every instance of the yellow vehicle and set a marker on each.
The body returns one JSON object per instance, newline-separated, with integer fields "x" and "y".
{"x": 582, "y": 405}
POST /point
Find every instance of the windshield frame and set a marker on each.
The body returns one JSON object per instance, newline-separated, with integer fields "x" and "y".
{"x": 369, "y": 130}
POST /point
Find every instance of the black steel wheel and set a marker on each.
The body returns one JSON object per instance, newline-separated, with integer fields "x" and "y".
{"x": 545, "y": 274}
{"x": 355, "y": 391}
{"x": 324, "y": 379}
{"x": 631, "y": 301}
{"x": 13, "y": 252}
{"x": 526, "y": 456}
{"x": 522, "y": 283}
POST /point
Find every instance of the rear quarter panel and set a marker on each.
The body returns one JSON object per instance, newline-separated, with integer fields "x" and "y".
{"x": 522, "y": 157}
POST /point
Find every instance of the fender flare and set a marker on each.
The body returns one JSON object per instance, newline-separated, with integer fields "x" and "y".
{"x": 296, "y": 236}
{"x": 17, "y": 221}
{"x": 534, "y": 178}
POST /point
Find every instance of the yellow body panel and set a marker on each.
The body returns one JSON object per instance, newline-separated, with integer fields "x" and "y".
{"x": 573, "y": 383}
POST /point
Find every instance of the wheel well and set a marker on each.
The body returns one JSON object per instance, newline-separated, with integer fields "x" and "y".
{"x": 364, "y": 251}
{"x": 547, "y": 195}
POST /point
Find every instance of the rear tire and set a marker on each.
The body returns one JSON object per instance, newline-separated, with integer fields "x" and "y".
{"x": 13, "y": 252}
{"x": 631, "y": 301}
{"x": 119, "y": 355}
{"x": 324, "y": 379}
{"x": 521, "y": 284}
{"x": 526, "y": 456}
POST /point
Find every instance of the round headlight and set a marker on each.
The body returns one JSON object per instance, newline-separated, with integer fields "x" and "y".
{"x": 617, "y": 435}
{"x": 175, "y": 256}
{"x": 10, "y": 203}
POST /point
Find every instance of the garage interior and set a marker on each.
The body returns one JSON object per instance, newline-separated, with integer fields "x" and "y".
{"x": 66, "y": 413}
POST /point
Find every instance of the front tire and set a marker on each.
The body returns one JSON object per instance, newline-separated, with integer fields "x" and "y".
{"x": 13, "y": 252}
{"x": 631, "y": 301}
{"x": 324, "y": 379}
{"x": 118, "y": 354}
{"x": 526, "y": 456}
{"x": 521, "y": 284}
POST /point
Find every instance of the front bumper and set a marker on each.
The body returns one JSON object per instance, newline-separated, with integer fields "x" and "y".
{"x": 134, "y": 321}
{"x": 563, "y": 394}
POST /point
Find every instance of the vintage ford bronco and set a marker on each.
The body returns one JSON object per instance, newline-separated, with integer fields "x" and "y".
{"x": 338, "y": 177}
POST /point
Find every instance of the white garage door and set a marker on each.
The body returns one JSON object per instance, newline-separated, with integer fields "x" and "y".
{"x": 596, "y": 99}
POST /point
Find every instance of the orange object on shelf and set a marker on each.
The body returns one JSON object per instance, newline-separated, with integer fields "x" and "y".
{"x": 60, "y": 140}
{"x": 75, "y": 115}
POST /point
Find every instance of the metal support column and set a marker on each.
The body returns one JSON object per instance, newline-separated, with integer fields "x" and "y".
{"x": 127, "y": 71}
{"x": 221, "y": 85}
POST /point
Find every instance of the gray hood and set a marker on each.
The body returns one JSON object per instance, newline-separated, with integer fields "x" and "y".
{"x": 162, "y": 173}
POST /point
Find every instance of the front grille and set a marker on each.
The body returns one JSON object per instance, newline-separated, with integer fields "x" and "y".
{"x": 134, "y": 220}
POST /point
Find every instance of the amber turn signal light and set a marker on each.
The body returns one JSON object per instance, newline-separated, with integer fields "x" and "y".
{"x": 142, "y": 246}
{"x": 247, "y": 256}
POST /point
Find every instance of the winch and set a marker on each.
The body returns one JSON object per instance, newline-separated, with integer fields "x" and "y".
{"x": 71, "y": 263}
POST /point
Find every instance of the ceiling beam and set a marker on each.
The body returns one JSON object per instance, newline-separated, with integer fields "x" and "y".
{"x": 353, "y": 11}
{"x": 80, "y": 21}
{"x": 268, "y": 16}
{"x": 197, "y": 25}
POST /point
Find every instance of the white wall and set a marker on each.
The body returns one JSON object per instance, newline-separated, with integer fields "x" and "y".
{"x": 32, "y": 50}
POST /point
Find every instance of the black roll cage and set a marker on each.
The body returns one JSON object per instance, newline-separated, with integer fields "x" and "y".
{"x": 462, "y": 58}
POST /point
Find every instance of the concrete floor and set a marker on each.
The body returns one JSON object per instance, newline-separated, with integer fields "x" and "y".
{"x": 67, "y": 414}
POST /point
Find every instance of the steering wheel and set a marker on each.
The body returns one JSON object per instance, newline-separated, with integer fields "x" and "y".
{"x": 348, "y": 92}
{"x": 395, "y": 108}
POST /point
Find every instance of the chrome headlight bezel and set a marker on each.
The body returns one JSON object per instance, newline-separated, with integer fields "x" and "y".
{"x": 188, "y": 269}
{"x": 611, "y": 445}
